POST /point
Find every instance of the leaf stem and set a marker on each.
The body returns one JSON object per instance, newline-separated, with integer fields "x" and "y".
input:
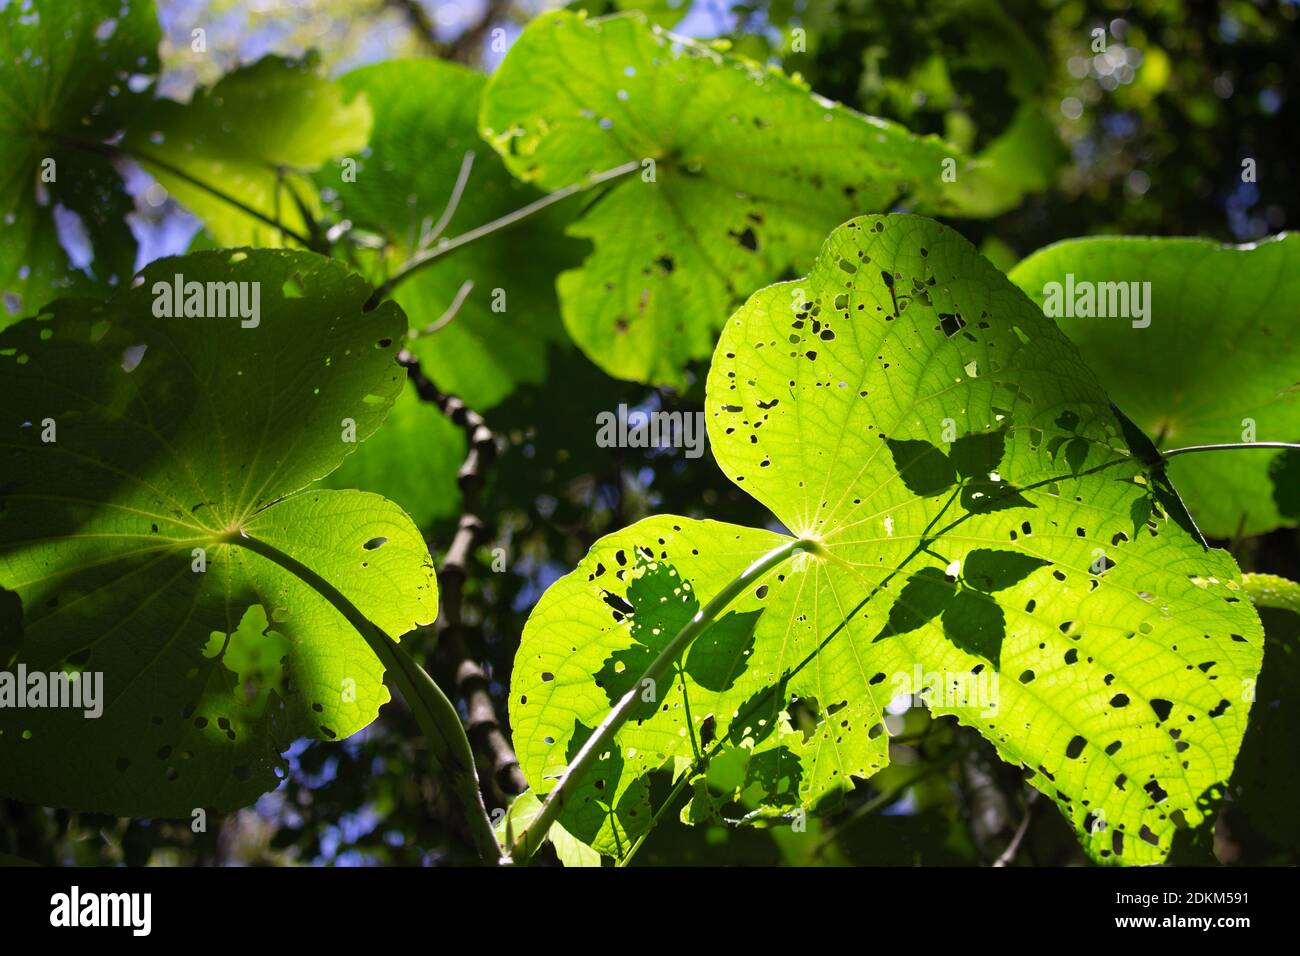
{"x": 114, "y": 151}
{"x": 422, "y": 259}
{"x": 531, "y": 838}
{"x": 1229, "y": 446}
{"x": 437, "y": 717}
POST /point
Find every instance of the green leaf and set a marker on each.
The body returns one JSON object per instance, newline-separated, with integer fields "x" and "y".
{"x": 254, "y": 136}
{"x": 731, "y": 142}
{"x": 412, "y": 461}
{"x": 133, "y": 439}
{"x": 1217, "y": 358}
{"x": 64, "y": 72}
{"x": 1008, "y": 586}
{"x": 663, "y": 13}
{"x": 522, "y": 811}
{"x": 425, "y": 123}
{"x": 1269, "y": 590}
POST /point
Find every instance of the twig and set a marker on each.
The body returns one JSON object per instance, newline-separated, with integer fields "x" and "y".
{"x": 472, "y": 680}
{"x": 1009, "y": 854}
{"x": 1229, "y": 446}
{"x": 450, "y": 313}
{"x": 453, "y": 201}
{"x": 422, "y": 259}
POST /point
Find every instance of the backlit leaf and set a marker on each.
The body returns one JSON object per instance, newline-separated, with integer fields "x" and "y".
{"x": 255, "y": 136}
{"x": 135, "y": 445}
{"x": 750, "y": 170}
{"x": 1214, "y": 358}
{"x": 971, "y": 496}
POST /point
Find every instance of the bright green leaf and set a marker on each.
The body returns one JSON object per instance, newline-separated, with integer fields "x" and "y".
{"x": 521, "y": 813}
{"x": 984, "y": 536}
{"x": 1213, "y": 358}
{"x": 750, "y": 172}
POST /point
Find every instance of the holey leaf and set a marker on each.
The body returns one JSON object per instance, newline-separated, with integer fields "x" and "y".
{"x": 1210, "y": 357}
{"x": 135, "y": 449}
{"x": 981, "y": 536}
{"x": 731, "y": 142}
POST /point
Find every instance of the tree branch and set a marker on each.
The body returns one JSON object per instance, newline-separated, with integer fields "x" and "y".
{"x": 472, "y": 681}
{"x": 421, "y": 24}
{"x": 464, "y": 48}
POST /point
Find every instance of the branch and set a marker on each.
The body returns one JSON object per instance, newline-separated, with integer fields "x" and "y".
{"x": 1009, "y": 854}
{"x": 422, "y": 259}
{"x": 420, "y": 22}
{"x": 472, "y": 681}
{"x": 464, "y": 47}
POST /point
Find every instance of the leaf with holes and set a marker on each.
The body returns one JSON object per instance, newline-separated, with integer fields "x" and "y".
{"x": 68, "y": 77}
{"x": 140, "y": 449}
{"x": 732, "y": 144}
{"x": 981, "y": 534}
{"x": 482, "y": 319}
{"x": 1194, "y": 341}
{"x": 254, "y": 137}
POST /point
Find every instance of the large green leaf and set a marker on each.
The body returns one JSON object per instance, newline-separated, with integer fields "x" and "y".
{"x": 751, "y": 171}
{"x": 64, "y": 72}
{"x": 254, "y": 137}
{"x": 425, "y": 123}
{"x": 978, "y": 513}
{"x": 133, "y": 439}
{"x": 1219, "y": 354}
